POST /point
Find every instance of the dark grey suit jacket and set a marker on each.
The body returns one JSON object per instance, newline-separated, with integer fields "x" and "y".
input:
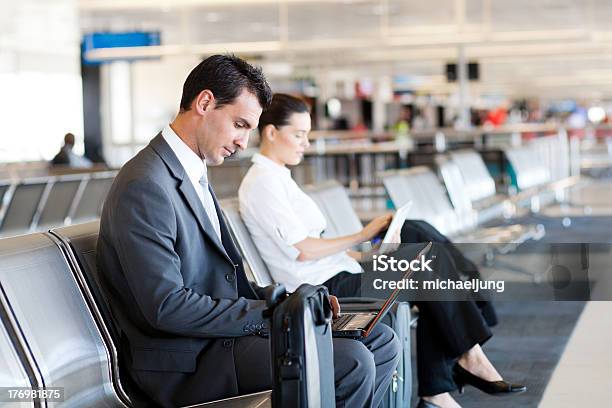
{"x": 178, "y": 295}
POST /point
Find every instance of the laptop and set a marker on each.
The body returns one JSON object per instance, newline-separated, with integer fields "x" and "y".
{"x": 360, "y": 324}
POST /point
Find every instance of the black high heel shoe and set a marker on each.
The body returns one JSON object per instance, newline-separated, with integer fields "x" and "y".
{"x": 426, "y": 404}
{"x": 463, "y": 377}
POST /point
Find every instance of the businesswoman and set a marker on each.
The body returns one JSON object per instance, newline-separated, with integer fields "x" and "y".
{"x": 286, "y": 226}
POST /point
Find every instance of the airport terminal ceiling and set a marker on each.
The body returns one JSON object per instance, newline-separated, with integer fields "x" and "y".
{"x": 544, "y": 51}
{"x": 539, "y": 48}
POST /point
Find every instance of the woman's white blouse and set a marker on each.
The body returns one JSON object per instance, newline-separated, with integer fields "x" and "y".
{"x": 278, "y": 214}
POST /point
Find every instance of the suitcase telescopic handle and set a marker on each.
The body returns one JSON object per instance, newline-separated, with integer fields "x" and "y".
{"x": 321, "y": 307}
{"x": 275, "y": 294}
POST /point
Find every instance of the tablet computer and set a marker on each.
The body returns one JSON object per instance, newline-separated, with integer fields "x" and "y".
{"x": 396, "y": 223}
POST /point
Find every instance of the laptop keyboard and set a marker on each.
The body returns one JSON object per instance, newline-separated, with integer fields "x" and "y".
{"x": 341, "y": 321}
{"x": 353, "y": 321}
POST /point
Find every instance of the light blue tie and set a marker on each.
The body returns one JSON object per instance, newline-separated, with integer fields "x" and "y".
{"x": 209, "y": 206}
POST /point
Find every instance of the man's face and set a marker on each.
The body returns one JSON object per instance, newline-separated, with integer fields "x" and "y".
{"x": 222, "y": 131}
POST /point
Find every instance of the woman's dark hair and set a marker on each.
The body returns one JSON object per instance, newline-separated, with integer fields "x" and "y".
{"x": 225, "y": 76}
{"x": 280, "y": 110}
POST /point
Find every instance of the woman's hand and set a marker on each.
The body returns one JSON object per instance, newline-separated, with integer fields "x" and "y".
{"x": 375, "y": 227}
{"x": 317, "y": 248}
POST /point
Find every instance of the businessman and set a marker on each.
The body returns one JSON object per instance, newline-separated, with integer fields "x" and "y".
{"x": 191, "y": 326}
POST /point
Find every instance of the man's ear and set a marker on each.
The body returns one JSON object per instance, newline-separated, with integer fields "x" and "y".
{"x": 205, "y": 101}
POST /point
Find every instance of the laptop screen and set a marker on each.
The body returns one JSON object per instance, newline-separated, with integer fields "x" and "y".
{"x": 393, "y": 296}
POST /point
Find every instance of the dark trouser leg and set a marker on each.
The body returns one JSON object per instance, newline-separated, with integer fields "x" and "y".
{"x": 422, "y": 231}
{"x": 253, "y": 366}
{"x": 362, "y": 369}
{"x": 344, "y": 284}
{"x": 434, "y": 366}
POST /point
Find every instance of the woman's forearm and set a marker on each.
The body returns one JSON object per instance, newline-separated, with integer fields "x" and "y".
{"x": 317, "y": 248}
{"x": 356, "y": 255}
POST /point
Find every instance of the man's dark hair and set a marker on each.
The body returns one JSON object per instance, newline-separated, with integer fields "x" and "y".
{"x": 225, "y": 76}
{"x": 280, "y": 110}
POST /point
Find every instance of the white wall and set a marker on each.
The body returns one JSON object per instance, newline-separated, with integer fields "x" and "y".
{"x": 149, "y": 92}
{"x": 40, "y": 82}
{"x": 157, "y": 88}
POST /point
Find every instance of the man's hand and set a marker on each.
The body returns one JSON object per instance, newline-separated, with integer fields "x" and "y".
{"x": 335, "y": 305}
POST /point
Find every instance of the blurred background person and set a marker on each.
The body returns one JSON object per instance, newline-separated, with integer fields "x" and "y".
{"x": 67, "y": 157}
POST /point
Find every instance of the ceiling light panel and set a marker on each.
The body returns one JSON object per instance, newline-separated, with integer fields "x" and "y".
{"x": 315, "y": 21}
{"x": 538, "y": 15}
{"x": 418, "y": 13}
{"x": 599, "y": 14}
{"x": 234, "y": 24}
{"x": 149, "y": 19}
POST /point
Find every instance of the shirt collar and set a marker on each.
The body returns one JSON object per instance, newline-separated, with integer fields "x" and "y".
{"x": 269, "y": 164}
{"x": 191, "y": 162}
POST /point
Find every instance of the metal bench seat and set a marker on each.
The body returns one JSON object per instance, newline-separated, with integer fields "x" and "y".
{"x": 432, "y": 204}
{"x": 479, "y": 185}
{"x": 63, "y": 346}
{"x": 78, "y": 242}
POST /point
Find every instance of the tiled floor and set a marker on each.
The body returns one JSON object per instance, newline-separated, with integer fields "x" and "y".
{"x": 583, "y": 376}
{"x": 526, "y": 347}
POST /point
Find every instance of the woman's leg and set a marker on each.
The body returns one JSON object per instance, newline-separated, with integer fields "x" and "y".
{"x": 422, "y": 231}
{"x": 434, "y": 367}
{"x": 446, "y": 330}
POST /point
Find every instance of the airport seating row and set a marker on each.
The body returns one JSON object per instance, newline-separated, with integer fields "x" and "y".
{"x": 40, "y": 203}
{"x": 468, "y": 197}
{"x": 55, "y": 328}
{"x": 543, "y": 172}
{"x": 575, "y": 195}
{"x": 37, "y": 204}
{"x": 430, "y": 203}
{"x": 475, "y": 187}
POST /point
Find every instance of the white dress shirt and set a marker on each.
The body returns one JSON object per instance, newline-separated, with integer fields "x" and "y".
{"x": 195, "y": 168}
{"x": 278, "y": 214}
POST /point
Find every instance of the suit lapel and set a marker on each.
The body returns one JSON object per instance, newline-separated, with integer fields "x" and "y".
{"x": 188, "y": 192}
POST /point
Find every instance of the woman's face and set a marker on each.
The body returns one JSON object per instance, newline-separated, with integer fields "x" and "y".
{"x": 291, "y": 140}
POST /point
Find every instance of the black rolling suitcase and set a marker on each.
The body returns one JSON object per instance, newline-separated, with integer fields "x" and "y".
{"x": 301, "y": 347}
{"x": 398, "y": 318}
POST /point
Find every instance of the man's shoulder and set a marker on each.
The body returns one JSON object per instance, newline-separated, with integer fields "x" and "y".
{"x": 144, "y": 181}
{"x": 145, "y": 172}
{"x": 146, "y": 164}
